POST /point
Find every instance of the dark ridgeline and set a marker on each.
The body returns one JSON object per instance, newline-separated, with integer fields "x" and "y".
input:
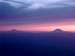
{"x": 58, "y": 30}
{"x": 13, "y": 30}
{"x": 55, "y": 43}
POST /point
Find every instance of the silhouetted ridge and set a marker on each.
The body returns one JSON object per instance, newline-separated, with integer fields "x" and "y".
{"x": 58, "y": 30}
{"x": 13, "y": 30}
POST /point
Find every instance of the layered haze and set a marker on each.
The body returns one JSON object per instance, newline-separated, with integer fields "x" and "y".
{"x": 37, "y": 15}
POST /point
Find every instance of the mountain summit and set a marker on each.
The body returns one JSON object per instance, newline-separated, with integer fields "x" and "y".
{"x": 13, "y": 30}
{"x": 58, "y": 30}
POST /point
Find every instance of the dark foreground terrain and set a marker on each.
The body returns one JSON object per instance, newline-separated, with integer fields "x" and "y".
{"x": 37, "y": 44}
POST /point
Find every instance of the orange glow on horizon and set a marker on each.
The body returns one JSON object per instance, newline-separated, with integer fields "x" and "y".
{"x": 66, "y": 26}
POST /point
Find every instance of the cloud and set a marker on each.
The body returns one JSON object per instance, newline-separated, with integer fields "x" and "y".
{"x": 37, "y": 4}
{"x": 40, "y": 13}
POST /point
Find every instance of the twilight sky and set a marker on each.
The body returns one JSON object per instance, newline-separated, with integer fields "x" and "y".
{"x": 37, "y": 15}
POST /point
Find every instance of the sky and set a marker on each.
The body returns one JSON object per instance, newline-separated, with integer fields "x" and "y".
{"x": 37, "y": 15}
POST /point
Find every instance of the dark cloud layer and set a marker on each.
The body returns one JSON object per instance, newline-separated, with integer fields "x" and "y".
{"x": 11, "y": 14}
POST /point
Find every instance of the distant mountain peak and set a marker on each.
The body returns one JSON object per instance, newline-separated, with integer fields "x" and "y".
{"x": 58, "y": 30}
{"x": 13, "y": 30}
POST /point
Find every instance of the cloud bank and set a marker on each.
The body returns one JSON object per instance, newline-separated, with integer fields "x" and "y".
{"x": 36, "y": 11}
{"x": 36, "y": 4}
